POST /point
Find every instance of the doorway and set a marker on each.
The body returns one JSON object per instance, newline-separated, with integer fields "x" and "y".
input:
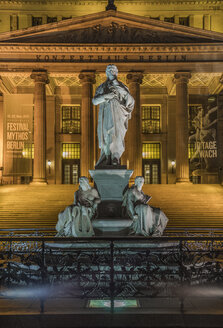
{"x": 151, "y": 171}
{"x": 71, "y": 171}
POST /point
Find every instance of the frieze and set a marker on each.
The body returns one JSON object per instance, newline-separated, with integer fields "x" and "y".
{"x": 128, "y": 58}
{"x": 110, "y": 58}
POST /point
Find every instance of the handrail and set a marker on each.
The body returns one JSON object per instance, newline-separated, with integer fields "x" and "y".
{"x": 167, "y": 229}
{"x": 112, "y": 238}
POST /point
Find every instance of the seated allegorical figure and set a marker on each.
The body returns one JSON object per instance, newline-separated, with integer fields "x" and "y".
{"x": 146, "y": 220}
{"x": 75, "y": 220}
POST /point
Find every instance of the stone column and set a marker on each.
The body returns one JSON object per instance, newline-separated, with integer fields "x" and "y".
{"x": 182, "y": 162}
{"x": 220, "y": 135}
{"x": 133, "y": 137}
{"x": 87, "y": 80}
{"x": 39, "y": 173}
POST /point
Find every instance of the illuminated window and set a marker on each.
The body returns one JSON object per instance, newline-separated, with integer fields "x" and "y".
{"x": 184, "y": 21}
{"x": 71, "y": 119}
{"x": 151, "y": 150}
{"x": 36, "y": 21}
{"x": 71, "y": 151}
{"x": 28, "y": 151}
{"x": 150, "y": 119}
{"x": 169, "y": 19}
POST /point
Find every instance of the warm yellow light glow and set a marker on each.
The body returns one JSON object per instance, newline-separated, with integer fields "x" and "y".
{"x": 65, "y": 154}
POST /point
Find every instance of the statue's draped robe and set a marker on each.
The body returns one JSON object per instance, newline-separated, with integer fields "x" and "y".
{"x": 151, "y": 220}
{"x": 113, "y": 117}
{"x": 75, "y": 220}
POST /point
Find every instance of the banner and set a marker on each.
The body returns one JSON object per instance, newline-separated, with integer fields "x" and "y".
{"x": 203, "y": 137}
{"x": 18, "y": 135}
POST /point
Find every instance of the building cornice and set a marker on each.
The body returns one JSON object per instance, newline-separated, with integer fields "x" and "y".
{"x": 63, "y": 48}
{"x": 94, "y": 3}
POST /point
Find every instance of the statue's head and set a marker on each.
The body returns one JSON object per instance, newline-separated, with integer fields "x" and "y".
{"x": 84, "y": 183}
{"x": 139, "y": 181}
{"x": 111, "y": 71}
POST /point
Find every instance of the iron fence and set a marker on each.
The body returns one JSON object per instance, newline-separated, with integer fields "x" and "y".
{"x": 109, "y": 268}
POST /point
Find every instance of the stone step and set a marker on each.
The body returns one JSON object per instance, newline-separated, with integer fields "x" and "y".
{"x": 25, "y": 206}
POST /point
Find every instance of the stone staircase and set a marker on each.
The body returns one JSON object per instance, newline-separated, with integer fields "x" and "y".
{"x": 186, "y": 206}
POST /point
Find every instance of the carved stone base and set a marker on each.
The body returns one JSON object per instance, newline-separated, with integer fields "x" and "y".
{"x": 111, "y": 183}
{"x": 110, "y": 219}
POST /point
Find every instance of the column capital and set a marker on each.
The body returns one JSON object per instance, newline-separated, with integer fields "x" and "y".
{"x": 40, "y": 76}
{"x": 182, "y": 77}
{"x": 136, "y": 77}
{"x": 87, "y": 77}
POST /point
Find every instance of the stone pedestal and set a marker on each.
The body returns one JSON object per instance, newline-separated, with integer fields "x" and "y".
{"x": 111, "y": 183}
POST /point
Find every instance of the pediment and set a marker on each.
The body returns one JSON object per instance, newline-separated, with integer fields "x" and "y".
{"x": 110, "y": 27}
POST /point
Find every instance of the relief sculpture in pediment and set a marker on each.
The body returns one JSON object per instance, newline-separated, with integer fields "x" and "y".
{"x": 112, "y": 33}
{"x": 115, "y": 33}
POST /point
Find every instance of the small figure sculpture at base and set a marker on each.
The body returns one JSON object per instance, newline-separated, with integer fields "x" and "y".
{"x": 75, "y": 220}
{"x": 146, "y": 220}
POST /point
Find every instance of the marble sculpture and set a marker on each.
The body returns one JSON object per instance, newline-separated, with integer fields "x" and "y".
{"x": 146, "y": 220}
{"x": 116, "y": 105}
{"x": 75, "y": 220}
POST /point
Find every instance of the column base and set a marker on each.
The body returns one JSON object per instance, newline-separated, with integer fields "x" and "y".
{"x": 39, "y": 181}
{"x": 183, "y": 180}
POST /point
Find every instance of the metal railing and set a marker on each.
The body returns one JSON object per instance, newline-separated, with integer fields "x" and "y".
{"x": 109, "y": 268}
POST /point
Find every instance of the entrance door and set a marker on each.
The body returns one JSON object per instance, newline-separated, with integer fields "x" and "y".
{"x": 151, "y": 171}
{"x": 71, "y": 171}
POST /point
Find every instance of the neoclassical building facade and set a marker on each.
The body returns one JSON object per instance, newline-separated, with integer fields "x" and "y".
{"x": 50, "y": 67}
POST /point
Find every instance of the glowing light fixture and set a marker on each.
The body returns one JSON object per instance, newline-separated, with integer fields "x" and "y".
{"x": 49, "y": 164}
{"x": 117, "y": 304}
{"x": 173, "y": 163}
